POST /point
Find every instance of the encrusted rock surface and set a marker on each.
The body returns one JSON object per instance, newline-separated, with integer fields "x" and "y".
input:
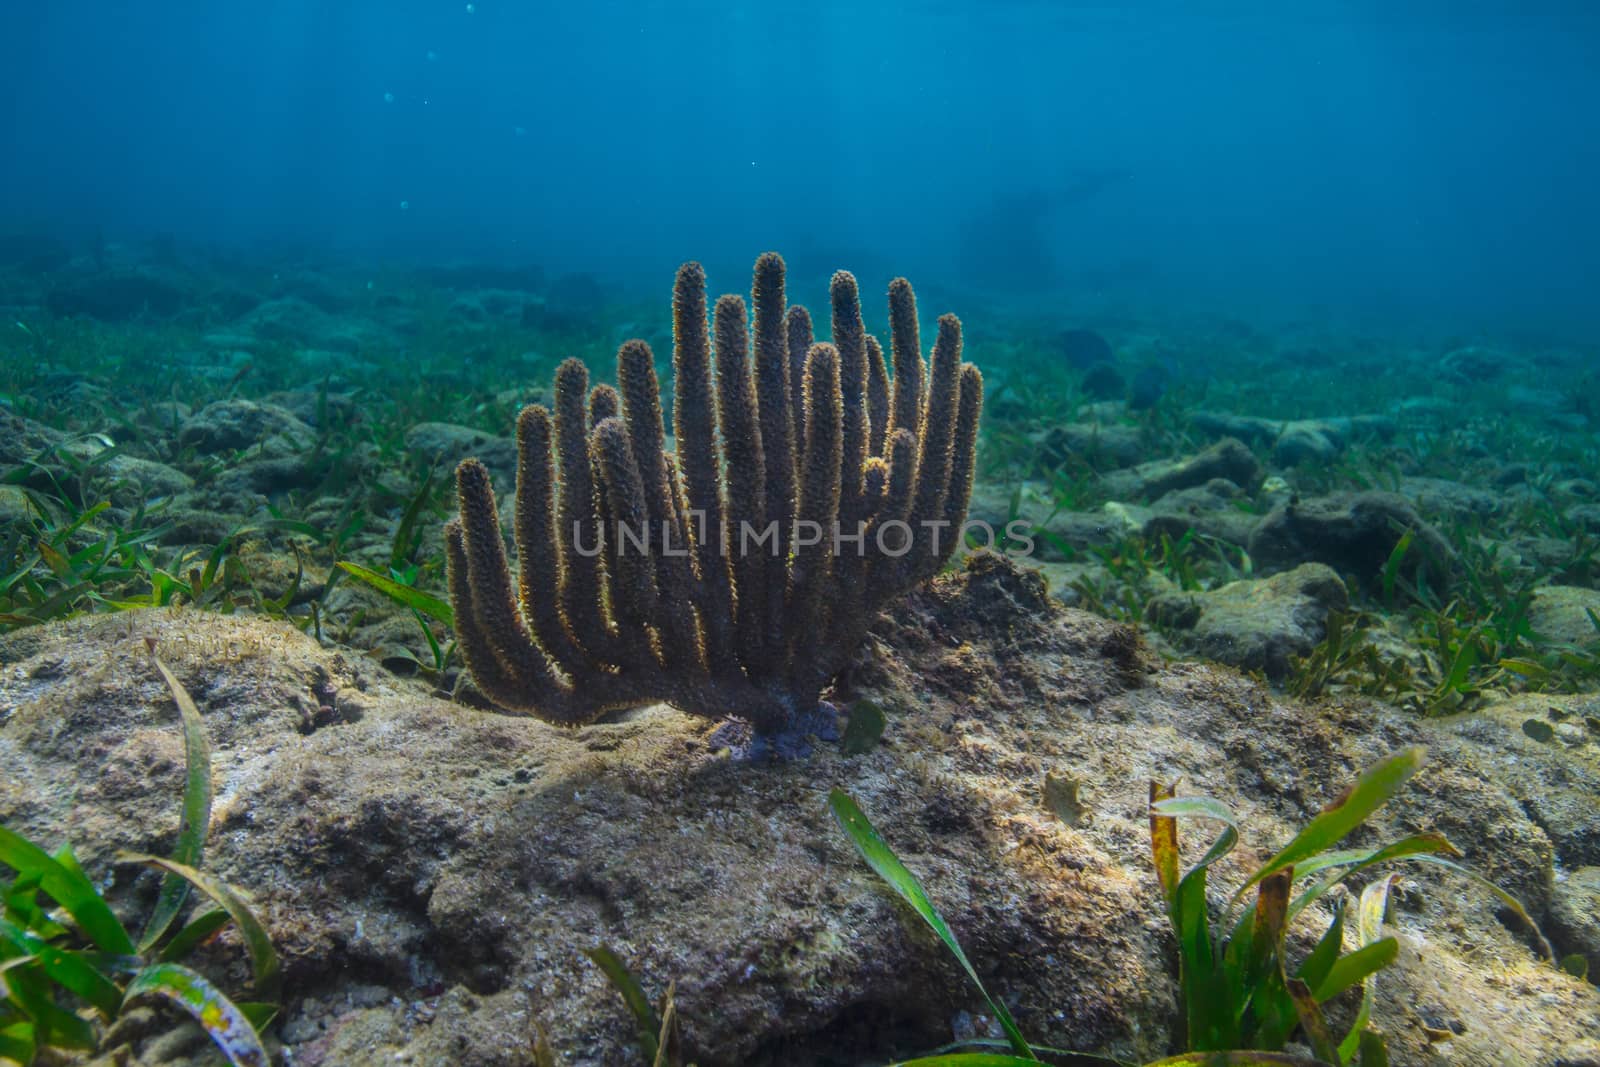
{"x": 1228, "y": 459}
{"x": 431, "y": 872}
{"x": 1257, "y": 625}
{"x": 1561, "y": 613}
{"x": 1352, "y": 532}
{"x": 1575, "y": 915}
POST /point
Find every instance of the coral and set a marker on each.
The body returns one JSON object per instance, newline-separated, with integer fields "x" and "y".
{"x": 739, "y": 574}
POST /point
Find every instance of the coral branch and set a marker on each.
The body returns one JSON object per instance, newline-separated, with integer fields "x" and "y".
{"x": 738, "y": 574}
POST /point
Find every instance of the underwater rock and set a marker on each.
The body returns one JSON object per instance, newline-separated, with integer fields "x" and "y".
{"x": 578, "y": 292}
{"x": 225, "y": 426}
{"x": 1575, "y": 916}
{"x": 271, "y": 451}
{"x": 1081, "y": 530}
{"x": 127, "y": 481}
{"x": 1148, "y": 386}
{"x": 117, "y": 296}
{"x": 1209, "y": 510}
{"x": 14, "y": 505}
{"x": 1252, "y": 429}
{"x": 228, "y": 343}
{"x": 1560, "y": 614}
{"x": 312, "y": 405}
{"x": 469, "y": 310}
{"x": 1553, "y": 782}
{"x": 290, "y": 320}
{"x": 549, "y": 318}
{"x": 1352, "y": 532}
{"x": 1344, "y": 429}
{"x": 124, "y": 480}
{"x": 1581, "y": 488}
{"x": 417, "y": 860}
{"x": 449, "y": 444}
{"x": 1256, "y": 625}
{"x": 316, "y": 289}
{"x": 71, "y": 390}
{"x": 1549, "y": 403}
{"x": 1442, "y": 497}
{"x": 1428, "y": 410}
{"x": 1103, "y": 381}
{"x": 1294, "y": 441}
{"x": 1083, "y": 348}
{"x": 22, "y": 439}
{"x": 1585, "y": 516}
{"x": 1104, "y": 446}
{"x": 570, "y": 304}
{"x": 227, "y": 302}
{"x": 1303, "y": 444}
{"x": 1474, "y": 363}
{"x": 482, "y": 276}
{"x": 1229, "y": 459}
{"x": 486, "y": 305}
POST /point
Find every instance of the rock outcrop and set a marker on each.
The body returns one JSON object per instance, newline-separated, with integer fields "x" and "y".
{"x": 430, "y": 872}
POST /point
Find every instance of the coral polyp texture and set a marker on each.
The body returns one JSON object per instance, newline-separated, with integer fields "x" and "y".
{"x": 737, "y": 575}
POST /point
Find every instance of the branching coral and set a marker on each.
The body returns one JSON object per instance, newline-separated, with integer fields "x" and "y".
{"x": 738, "y": 574}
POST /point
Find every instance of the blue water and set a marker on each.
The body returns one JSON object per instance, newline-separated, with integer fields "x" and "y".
{"x": 1437, "y": 165}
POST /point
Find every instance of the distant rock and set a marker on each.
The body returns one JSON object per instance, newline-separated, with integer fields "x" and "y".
{"x": 1210, "y": 509}
{"x": 1586, "y": 516}
{"x": 1228, "y": 459}
{"x": 227, "y": 302}
{"x": 483, "y": 276}
{"x": 1578, "y": 488}
{"x": 1103, "y": 381}
{"x": 293, "y": 321}
{"x": 1148, "y": 386}
{"x": 1103, "y": 446}
{"x": 1294, "y": 441}
{"x": 1553, "y": 407}
{"x": 1078, "y": 531}
{"x": 1083, "y": 348}
{"x": 579, "y": 292}
{"x": 233, "y": 425}
{"x": 1351, "y": 532}
{"x": 1474, "y": 364}
{"x": 1252, "y": 429}
{"x": 1444, "y": 498}
{"x": 313, "y": 288}
{"x": 1426, "y": 409}
{"x": 339, "y": 405}
{"x": 117, "y": 296}
{"x": 1255, "y": 624}
{"x": 554, "y": 318}
{"x": 450, "y": 444}
{"x": 226, "y": 341}
{"x": 1304, "y": 443}
{"x": 468, "y": 309}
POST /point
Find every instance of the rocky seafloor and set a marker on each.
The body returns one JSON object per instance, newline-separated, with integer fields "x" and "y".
{"x": 1260, "y": 561}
